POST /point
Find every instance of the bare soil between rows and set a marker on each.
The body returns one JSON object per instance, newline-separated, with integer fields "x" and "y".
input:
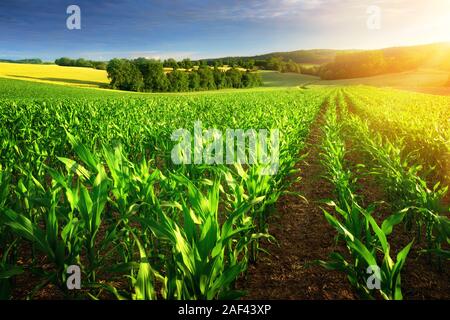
{"x": 303, "y": 236}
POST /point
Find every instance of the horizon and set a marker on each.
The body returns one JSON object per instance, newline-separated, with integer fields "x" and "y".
{"x": 195, "y": 30}
{"x": 253, "y": 55}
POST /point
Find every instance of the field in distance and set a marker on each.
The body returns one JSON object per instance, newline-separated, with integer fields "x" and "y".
{"x": 72, "y": 76}
{"x": 423, "y": 80}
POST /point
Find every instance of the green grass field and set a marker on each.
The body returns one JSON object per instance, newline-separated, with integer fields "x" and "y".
{"x": 421, "y": 80}
{"x": 87, "y": 178}
{"x": 276, "y": 79}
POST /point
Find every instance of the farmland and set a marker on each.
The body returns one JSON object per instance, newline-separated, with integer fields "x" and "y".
{"x": 87, "y": 179}
{"x": 70, "y": 76}
{"x": 426, "y": 80}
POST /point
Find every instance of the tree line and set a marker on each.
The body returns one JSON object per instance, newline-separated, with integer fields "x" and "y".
{"x": 24, "y": 61}
{"x": 83, "y": 63}
{"x": 278, "y": 64}
{"x": 248, "y": 64}
{"x": 149, "y": 75}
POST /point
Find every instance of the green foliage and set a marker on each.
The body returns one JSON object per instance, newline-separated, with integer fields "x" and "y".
{"x": 170, "y": 63}
{"x": 91, "y": 182}
{"x": 186, "y": 64}
{"x": 124, "y": 75}
{"x": 405, "y": 186}
{"x": 179, "y": 81}
{"x": 24, "y": 61}
{"x": 67, "y": 62}
{"x": 153, "y": 74}
{"x": 206, "y": 78}
{"x": 7, "y": 272}
{"x": 417, "y": 123}
{"x": 149, "y": 75}
{"x": 364, "y": 238}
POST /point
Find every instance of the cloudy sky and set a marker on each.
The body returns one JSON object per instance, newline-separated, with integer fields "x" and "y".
{"x": 213, "y": 28}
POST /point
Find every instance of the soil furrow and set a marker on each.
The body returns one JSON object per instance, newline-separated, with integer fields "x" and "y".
{"x": 303, "y": 236}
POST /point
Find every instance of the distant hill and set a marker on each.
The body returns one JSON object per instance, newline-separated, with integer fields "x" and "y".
{"x": 315, "y": 56}
{"x": 438, "y": 53}
{"x": 349, "y": 64}
{"x": 384, "y": 61}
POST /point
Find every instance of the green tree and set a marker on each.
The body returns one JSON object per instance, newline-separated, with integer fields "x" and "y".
{"x": 275, "y": 63}
{"x": 291, "y": 66}
{"x": 124, "y": 75}
{"x": 155, "y": 80}
{"x": 64, "y": 62}
{"x": 194, "y": 81}
{"x": 219, "y": 78}
{"x": 83, "y": 63}
{"x": 171, "y": 63}
{"x": 206, "y": 78}
{"x": 99, "y": 65}
{"x": 186, "y": 64}
{"x": 249, "y": 64}
{"x": 235, "y": 78}
{"x": 179, "y": 81}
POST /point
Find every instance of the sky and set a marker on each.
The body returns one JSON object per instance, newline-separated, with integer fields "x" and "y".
{"x": 214, "y": 28}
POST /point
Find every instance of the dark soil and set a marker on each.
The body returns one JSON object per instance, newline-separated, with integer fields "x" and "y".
{"x": 304, "y": 236}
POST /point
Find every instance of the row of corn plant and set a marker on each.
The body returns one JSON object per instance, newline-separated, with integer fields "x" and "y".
{"x": 405, "y": 187}
{"x": 417, "y": 120}
{"x": 365, "y": 240}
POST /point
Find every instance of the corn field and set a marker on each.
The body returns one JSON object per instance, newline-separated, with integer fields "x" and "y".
{"x": 89, "y": 181}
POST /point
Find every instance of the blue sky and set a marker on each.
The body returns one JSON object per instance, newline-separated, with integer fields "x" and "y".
{"x": 212, "y": 28}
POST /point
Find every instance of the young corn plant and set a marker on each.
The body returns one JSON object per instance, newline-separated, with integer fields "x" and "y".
{"x": 7, "y": 272}
{"x": 363, "y": 237}
{"x": 198, "y": 266}
{"x": 364, "y": 253}
{"x": 38, "y": 218}
{"x": 333, "y": 157}
{"x": 60, "y": 243}
{"x": 89, "y": 201}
